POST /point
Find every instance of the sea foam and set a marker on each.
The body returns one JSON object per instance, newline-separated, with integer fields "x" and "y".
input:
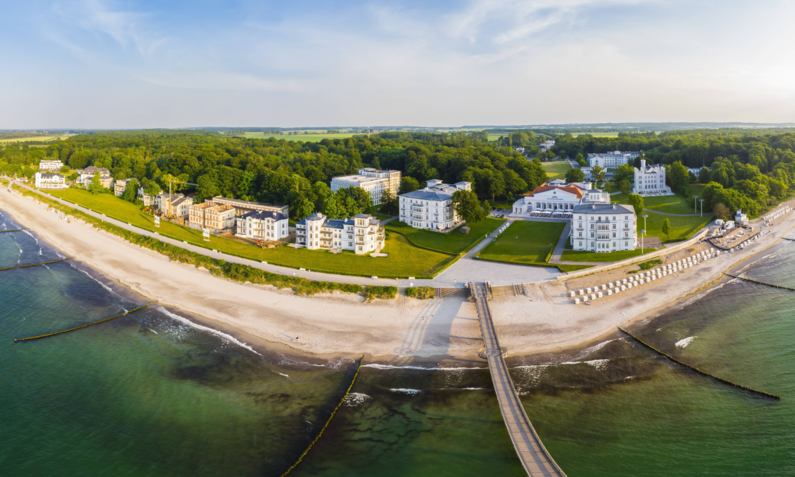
{"x": 224, "y": 336}
{"x": 683, "y": 343}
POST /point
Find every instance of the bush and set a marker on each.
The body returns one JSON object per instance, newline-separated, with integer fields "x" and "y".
{"x": 420, "y": 293}
{"x": 650, "y": 264}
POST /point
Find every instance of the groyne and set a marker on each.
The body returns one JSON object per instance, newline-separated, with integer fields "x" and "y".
{"x": 34, "y": 264}
{"x": 758, "y": 283}
{"x": 342, "y": 401}
{"x": 83, "y": 326}
{"x": 9, "y": 231}
{"x": 725, "y": 381}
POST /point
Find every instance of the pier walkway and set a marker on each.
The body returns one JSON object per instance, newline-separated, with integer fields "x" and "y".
{"x": 534, "y": 457}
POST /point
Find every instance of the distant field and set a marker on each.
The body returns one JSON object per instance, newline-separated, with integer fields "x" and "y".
{"x": 556, "y": 170}
{"x": 597, "y": 134}
{"x": 37, "y": 138}
{"x": 494, "y": 137}
{"x": 299, "y": 137}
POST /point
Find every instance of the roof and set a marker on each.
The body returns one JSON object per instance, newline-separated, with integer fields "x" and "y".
{"x": 181, "y": 200}
{"x": 262, "y": 215}
{"x": 571, "y": 189}
{"x": 358, "y": 179}
{"x": 244, "y": 203}
{"x": 49, "y": 175}
{"x": 603, "y": 209}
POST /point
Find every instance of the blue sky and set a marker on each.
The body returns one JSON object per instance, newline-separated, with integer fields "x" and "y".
{"x": 136, "y": 64}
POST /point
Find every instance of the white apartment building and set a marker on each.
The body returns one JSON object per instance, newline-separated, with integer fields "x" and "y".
{"x": 120, "y": 186}
{"x": 611, "y": 160}
{"x": 48, "y": 165}
{"x": 48, "y": 180}
{"x": 374, "y": 181}
{"x": 260, "y": 225}
{"x": 544, "y": 146}
{"x": 361, "y": 234}
{"x": 604, "y": 228}
{"x": 431, "y": 207}
{"x": 556, "y": 196}
{"x": 650, "y": 180}
{"x": 86, "y": 175}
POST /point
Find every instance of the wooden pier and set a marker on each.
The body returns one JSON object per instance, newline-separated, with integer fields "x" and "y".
{"x": 534, "y": 457}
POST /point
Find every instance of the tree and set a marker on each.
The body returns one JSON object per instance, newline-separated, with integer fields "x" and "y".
{"x": 360, "y": 197}
{"x": 130, "y": 193}
{"x": 721, "y": 211}
{"x": 666, "y": 227}
{"x": 580, "y": 159}
{"x": 207, "y": 188}
{"x": 575, "y": 175}
{"x": 302, "y": 208}
{"x": 598, "y": 173}
{"x": 703, "y": 175}
{"x": 390, "y": 204}
{"x": 96, "y": 184}
{"x": 151, "y": 188}
{"x": 625, "y": 187}
{"x": 678, "y": 176}
{"x": 408, "y": 184}
{"x": 636, "y": 201}
{"x": 468, "y": 207}
{"x": 332, "y": 208}
{"x": 623, "y": 172}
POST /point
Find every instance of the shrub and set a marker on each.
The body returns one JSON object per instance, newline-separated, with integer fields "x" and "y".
{"x": 650, "y": 264}
{"x": 420, "y": 293}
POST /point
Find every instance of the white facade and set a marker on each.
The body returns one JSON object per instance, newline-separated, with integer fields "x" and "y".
{"x": 431, "y": 207}
{"x": 556, "y": 196}
{"x": 544, "y": 146}
{"x": 258, "y": 225}
{"x": 650, "y": 180}
{"x": 611, "y": 160}
{"x": 741, "y": 218}
{"x": 361, "y": 234}
{"x": 46, "y": 180}
{"x": 374, "y": 181}
{"x": 604, "y": 228}
{"x": 47, "y": 165}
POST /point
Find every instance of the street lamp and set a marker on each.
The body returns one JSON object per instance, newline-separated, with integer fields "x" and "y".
{"x": 642, "y": 232}
{"x": 702, "y": 207}
{"x": 695, "y": 204}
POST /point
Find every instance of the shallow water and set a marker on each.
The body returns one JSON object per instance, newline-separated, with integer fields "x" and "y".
{"x": 152, "y": 394}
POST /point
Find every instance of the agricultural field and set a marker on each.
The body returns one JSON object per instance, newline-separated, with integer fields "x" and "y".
{"x": 36, "y": 138}
{"x": 524, "y": 242}
{"x": 556, "y": 170}
{"x": 453, "y": 242}
{"x": 308, "y": 137}
{"x": 404, "y": 259}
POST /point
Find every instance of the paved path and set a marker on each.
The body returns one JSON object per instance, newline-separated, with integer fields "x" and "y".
{"x": 534, "y": 457}
{"x": 677, "y": 215}
{"x": 564, "y": 237}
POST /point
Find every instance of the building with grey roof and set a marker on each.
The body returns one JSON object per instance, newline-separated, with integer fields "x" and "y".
{"x": 603, "y": 228}
{"x": 374, "y": 181}
{"x": 47, "y": 180}
{"x": 432, "y": 207}
{"x": 361, "y": 234}
{"x": 269, "y": 226}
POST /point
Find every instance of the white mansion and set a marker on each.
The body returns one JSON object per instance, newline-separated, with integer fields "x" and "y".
{"x": 558, "y": 196}
{"x": 48, "y": 180}
{"x": 362, "y": 233}
{"x": 374, "y": 181}
{"x": 431, "y": 207}
{"x": 50, "y": 165}
{"x": 262, "y": 225}
{"x": 650, "y": 180}
{"x": 611, "y": 160}
{"x": 604, "y": 228}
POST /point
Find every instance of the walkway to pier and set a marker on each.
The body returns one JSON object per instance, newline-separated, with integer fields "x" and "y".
{"x": 534, "y": 457}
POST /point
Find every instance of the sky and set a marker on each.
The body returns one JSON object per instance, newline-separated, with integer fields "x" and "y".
{"x": 110, "y": 64}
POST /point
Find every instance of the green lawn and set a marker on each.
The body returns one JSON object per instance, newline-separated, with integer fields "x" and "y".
{"x": 672, "y": 204}
{"x": 311, "y": 137}
{"x": 404, "y": 259}
{"x": 573, "y": 268}
{"x": 556, "y": 170}
{"x": 524, "y": 242}
{"x": 453, "y": 242}
{"x": 682, "y": 228}
{"x": 572, "y": 256}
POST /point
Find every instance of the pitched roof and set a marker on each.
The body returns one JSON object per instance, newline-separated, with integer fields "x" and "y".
{"x": 262, "y": 215}
{"x": 604, "y": 209}
{"x": 571, "y": 189}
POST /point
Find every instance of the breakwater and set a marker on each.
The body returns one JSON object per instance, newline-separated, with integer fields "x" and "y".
{"x": 758, "y": 283}
{"x": 725, "y": 381}
{"x": 9, "y": 231}
{"x": 34, "y": 264}
{"x": 317, "y": 437}
{"x": 83, "y": 326}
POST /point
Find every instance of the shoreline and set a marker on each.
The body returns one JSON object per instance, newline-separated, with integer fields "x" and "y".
{"x": 399, "y": 332}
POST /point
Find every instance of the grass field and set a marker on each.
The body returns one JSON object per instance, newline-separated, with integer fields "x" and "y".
{"x": 556, "y": 170}
{"x": 404, "y": 259}
{"x": 37, "y": 138}
{"x": 597, "y": 134}
{"x": 671, "y": 204}
{"x": 577, "y": 256}
{"x": 311, "y": 137}
{"x": 494, "y": 137}
{"x": 682, "y": 228}
{"x": 454, "y": 242}
{"x": 524, "y": 242}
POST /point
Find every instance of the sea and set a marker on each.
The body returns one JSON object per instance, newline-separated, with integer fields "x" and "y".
{"x": 156, "y": 393}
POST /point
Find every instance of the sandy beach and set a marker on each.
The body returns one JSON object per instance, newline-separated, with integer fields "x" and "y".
{"x": 400, "y": 331}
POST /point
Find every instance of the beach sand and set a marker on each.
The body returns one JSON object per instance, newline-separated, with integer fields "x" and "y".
{"x": 401, "y": 332}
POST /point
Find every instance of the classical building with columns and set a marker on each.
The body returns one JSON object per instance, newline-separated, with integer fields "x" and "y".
{"x": 603, "y": 228}
{"x": 557, "y": 196}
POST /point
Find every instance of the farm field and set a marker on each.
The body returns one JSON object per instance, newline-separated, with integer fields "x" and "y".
{"x": 453, "y": 242}
{"x": 556, "y": 170}
{"x": 404, "y": 259}
{"x": 37, "y": 138}
{"x": 311, "y": 137}
{"x": 524, "y": 242}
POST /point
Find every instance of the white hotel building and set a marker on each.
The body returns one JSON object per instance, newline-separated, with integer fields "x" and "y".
{"x": 374, "y": 181}
{"x": 611, "y": 160}
{"x": 47, "y": 180}
{"x": 604, "y": 228}
{"x": 361, "y": 234}
{"x": 431, "y": 207}
{"x": 558, "y": 196}
{"x": 650, "y": 180}
{"x": 50, "y": 165}
{"x": 261, "y": 225}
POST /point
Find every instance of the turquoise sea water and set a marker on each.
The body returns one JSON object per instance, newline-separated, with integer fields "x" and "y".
{"x": 152, "y": 394}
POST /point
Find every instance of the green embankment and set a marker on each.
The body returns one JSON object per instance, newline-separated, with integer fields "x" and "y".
{"x": 453, "y": 242}
{"x": 578, "y": 256}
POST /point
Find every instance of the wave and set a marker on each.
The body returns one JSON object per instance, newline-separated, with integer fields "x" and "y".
{"x": 683, "y": 343}
{"x": 285, "y": 375}
{"x": 356, "y": 399}
{"x": 34, "y": 238}
{"x": 405, "y": 391}
{"x": 224, "y": 336}
{"x": 285, "y": 361}
{"x": 418, "y": 368}
{"x": 96, "y": 280}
